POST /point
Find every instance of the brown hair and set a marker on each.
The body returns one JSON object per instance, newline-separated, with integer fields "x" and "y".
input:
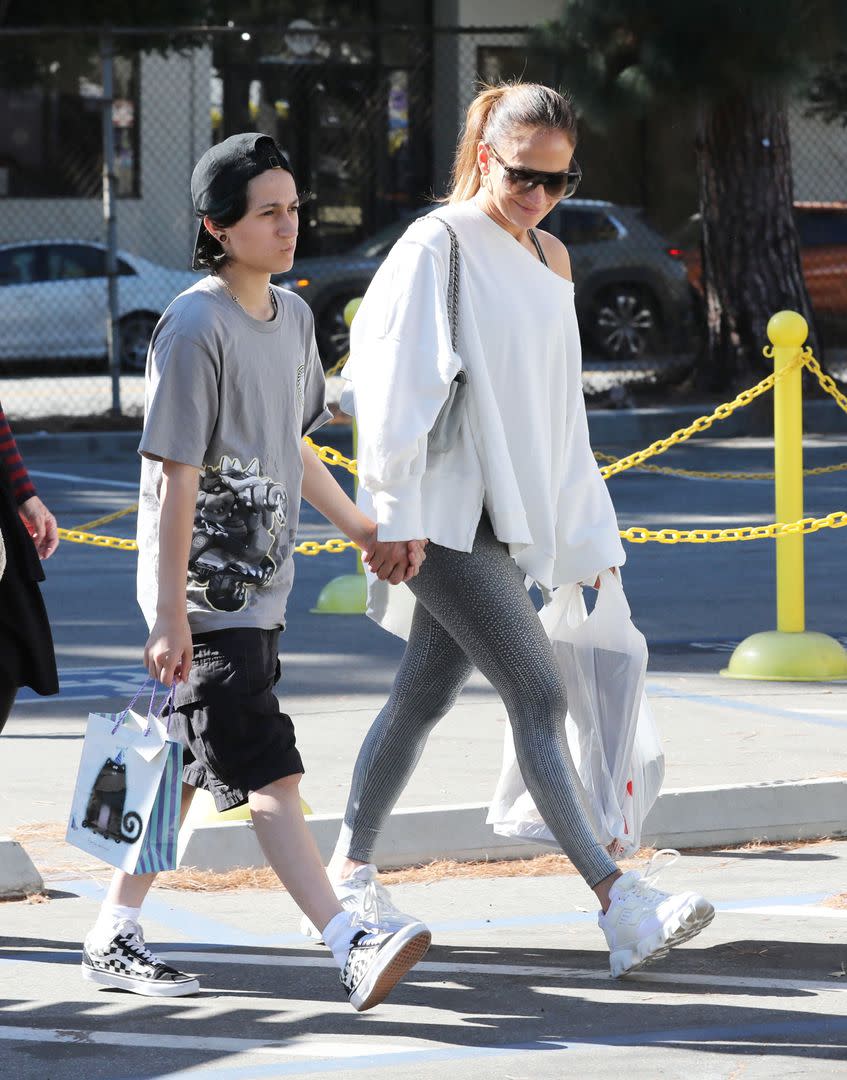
{"x": 497, "y": 111}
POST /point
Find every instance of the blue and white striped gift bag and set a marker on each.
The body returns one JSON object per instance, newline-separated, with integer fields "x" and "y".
{"x": 158, "y": 850}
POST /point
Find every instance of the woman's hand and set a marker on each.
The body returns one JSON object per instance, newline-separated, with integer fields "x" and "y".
{"x": 417, "y": 554}
{"x": 169, "y": 650}
{"x": 41, "y": 526}
{"x": 396, "y": 560}
{"x": 612, "y": 570}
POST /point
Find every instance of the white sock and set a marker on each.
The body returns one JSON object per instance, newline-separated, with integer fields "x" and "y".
{"x": 109, "y": 917}
{"x": 338, "y": 934}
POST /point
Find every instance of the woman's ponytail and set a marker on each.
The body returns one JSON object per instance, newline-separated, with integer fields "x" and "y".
{"x": 499, "y": 111}
{"x": 465, "y": 172}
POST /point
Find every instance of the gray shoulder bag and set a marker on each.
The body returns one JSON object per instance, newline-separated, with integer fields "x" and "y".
{"x": 445, "y": 430}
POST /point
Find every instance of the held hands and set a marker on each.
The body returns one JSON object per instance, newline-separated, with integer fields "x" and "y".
{"x": 169, "y": 649}
{"x": 393, "y": 560}
{"x": 41, "y": 526}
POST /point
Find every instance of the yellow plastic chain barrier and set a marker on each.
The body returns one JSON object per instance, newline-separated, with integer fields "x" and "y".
{"x": 330, "y": 456}
{"x": 77, "y": 536}
{"x": 105, "y": 520}
{"x": 702, "y": 423}
{"x": 666, "y": 470}
{"x": 827, "y": 383}
{"x": 806, "y": 358}
{"x": 635, "y": 534}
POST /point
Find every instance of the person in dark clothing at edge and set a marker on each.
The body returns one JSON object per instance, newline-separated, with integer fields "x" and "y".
{"x": 29, "y": 535}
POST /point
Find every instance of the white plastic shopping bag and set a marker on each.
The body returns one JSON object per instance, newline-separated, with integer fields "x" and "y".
{"x": 125, "y": 807}
{"x": 609, "y": 727}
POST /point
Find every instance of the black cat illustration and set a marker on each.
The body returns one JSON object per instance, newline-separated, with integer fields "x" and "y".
{"x": 105, "y": 811}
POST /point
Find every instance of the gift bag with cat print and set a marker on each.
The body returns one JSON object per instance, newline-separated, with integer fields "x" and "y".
{"x": 125, "y": 807}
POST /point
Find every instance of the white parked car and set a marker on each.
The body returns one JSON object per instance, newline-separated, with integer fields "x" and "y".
{"x": 53, "y": 301}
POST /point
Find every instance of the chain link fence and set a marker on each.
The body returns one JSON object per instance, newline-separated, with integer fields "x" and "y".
{"x": 369, "y": 118}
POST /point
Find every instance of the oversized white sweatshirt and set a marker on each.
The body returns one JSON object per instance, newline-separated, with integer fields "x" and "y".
{"x": 523, "y": 450}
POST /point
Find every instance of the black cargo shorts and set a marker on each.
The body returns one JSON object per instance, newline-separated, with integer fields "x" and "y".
{"x": 235, "y": 739}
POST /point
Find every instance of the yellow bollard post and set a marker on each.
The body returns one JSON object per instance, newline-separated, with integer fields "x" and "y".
{"x": 788, "y": 332}
{"x": 789, "y": 653}
{"x": 347, "y": 594}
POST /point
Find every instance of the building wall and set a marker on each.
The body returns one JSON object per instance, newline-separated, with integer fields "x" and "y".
{"x": 175, "y": 129}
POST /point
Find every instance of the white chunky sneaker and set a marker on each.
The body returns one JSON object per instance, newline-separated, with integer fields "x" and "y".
{"x": 378, "y": 959}
{"x": 125, "y": 961}
{"x": 363, "y": 894}
{"x": 643, "y": 923}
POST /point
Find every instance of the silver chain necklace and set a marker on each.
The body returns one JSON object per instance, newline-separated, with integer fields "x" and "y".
{"x": 235, "y": 298}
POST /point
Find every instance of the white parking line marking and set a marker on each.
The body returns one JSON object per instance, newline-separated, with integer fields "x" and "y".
{"x": 161, "y": 1041}
{"x": 532, "y": 971}
{"x": 794, "y": 912}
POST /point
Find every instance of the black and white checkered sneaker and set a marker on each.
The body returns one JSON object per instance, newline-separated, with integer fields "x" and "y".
{"x": 127, "y": 963}
{"x": 378, "y": 959}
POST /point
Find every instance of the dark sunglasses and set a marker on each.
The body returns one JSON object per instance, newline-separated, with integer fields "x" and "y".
{"x": 558, "y": 185}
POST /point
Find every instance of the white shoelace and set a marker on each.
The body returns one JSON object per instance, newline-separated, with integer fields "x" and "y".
{"x": 376, "y": 902}
{"x": 134, "y": 936}
{"x": 669, "y": 855}
{"x": 659, "y": 861}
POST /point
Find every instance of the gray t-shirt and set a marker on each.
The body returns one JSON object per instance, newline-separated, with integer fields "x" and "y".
{"x": 233, "y": 396}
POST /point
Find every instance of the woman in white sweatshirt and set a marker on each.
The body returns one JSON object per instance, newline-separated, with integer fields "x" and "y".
{"x": 514, "y": 497}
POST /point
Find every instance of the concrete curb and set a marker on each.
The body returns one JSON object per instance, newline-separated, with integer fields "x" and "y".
{"x": 775, "y": 811}
{"x": 18, "y": 876}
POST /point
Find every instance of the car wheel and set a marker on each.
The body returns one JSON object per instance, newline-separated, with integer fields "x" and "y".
{"x": 331, "y": 331}
{"x": 136, "y": 331}
{"x": 624, "y": 322}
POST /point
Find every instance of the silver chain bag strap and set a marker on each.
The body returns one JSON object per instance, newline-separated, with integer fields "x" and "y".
{"x": 445, "y": 430}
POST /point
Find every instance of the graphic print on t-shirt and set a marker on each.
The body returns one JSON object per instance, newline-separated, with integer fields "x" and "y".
{"x": 239, "y": 519}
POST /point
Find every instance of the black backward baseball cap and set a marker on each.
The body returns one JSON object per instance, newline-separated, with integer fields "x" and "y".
{"x": 226, "y": 167}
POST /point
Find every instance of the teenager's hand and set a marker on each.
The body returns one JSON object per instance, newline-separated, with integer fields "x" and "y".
{"x": 416, "y": 551}
{"x": 169, "y": 649}
{"x": 367, "y": 541}
{"x": 389, "y": 560}
{"x": 41, "y": 526}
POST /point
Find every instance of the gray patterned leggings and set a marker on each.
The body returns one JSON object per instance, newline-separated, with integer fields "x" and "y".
{"x": 473, "y": 610}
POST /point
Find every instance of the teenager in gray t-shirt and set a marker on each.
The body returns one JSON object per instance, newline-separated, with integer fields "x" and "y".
{"x": 256, "y": 388}
{"x": 233, "y": 384}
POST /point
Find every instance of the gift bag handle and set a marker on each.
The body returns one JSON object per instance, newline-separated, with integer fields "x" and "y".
{"x": 122, "y": 716}
{"x": 168, "y": 704}
{"x": 168, "y": 701}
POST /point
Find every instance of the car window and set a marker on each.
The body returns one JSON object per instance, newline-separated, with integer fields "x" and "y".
{"x": 819, "y": 228}
{"x": 384, "y": 239}
{"x": 575, "y": 225}
{"x": 21, "y": 266}
{"x": 71, "y": 262}
{"x": 124, "y": 268}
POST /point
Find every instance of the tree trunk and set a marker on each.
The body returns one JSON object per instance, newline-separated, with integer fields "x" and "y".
{"x": 750, "y": 247}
